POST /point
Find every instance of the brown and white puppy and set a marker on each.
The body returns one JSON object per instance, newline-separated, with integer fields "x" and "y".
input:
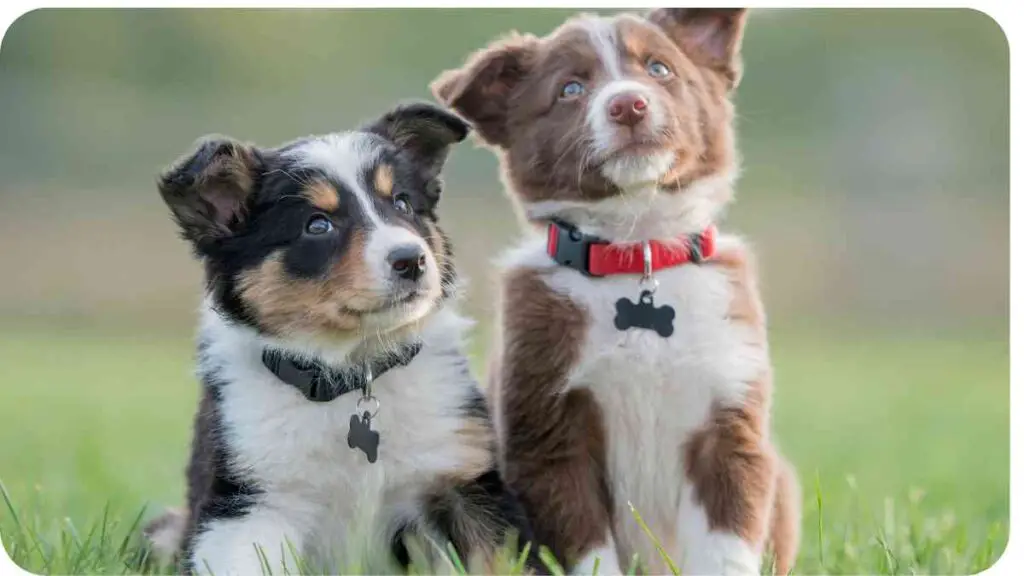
{"x": 326, "y": 269}
{"x": 622, "y": 128}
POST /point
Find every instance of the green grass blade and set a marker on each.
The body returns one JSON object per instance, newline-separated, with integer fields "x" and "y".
{"x": 520, "y": 567}
{"x": 456, "y": 561}
{"x": 22, "y": 536}
{"x": 549, "y": 560}
{"x": 657, "y": 544}
{"x": 821, "y": 520}
{"x": 634, "y": 565}
{"x": 131, "y": 532}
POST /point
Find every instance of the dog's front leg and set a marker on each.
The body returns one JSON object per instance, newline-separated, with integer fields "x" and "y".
{"x": 552, "y": 437}
{"x": 261, "y": 541}
{"x": 477, "y": 516}
{"x": 726, "y": 499}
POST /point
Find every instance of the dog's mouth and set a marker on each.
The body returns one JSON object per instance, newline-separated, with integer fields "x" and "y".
{"x": 393, "y": 302}
{"x": 634, "y": 148}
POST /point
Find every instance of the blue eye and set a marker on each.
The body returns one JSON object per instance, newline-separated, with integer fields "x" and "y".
{"x": 657, "y": 69}
{"x": 401, "y": 203}
{"x": 573, "y": 89}
{"x": 318, "y": 225}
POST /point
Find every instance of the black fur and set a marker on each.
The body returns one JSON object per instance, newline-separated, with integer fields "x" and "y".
{"x": 484, "y": 507}
{"x": 238, "y": 204}
{"x": 215, "y": 489}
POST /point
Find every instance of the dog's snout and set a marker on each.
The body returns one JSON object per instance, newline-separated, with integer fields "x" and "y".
{"x": 628, "y": 108}
{"x": 408, "y": 261}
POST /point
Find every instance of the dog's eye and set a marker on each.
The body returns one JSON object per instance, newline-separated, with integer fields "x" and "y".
{"x": 401, "y": 203}
{"x": 573, "y": 89}
{"x": 657, "y": 69}
{"x": 319, "y": 225}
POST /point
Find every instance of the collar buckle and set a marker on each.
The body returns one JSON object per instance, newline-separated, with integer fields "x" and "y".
{"x": 571, "y": 248}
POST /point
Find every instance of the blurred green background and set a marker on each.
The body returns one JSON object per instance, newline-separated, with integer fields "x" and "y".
{"x": 875, "y": 190}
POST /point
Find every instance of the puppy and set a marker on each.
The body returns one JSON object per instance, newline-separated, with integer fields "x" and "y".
{"x": 339, "y": 418}
{"x": 632, "y": 368}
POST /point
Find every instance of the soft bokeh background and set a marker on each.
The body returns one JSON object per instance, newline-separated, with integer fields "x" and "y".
{"x": 875, "y": 191}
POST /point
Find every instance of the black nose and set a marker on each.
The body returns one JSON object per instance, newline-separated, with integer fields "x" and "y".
{"x": 408, "y": 261}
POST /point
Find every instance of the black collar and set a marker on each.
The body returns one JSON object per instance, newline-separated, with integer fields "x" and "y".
{"x": 320, "y": 383}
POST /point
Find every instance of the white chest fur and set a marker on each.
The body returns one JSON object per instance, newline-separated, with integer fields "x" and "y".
{"x": 297, "y": 450}
{"x": 653, "y": 391}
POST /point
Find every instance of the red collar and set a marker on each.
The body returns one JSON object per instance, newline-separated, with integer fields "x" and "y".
{"x": 595, "y": 257}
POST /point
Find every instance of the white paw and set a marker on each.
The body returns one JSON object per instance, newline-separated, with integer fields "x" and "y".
{"x": 605, "y": 558}
{"x": 722, "y": 555}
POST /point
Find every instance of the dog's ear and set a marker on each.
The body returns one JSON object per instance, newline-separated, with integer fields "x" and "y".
{"x": 207, "y": 190}
{"x": 480, "y": 90}
{"x": 423, "y": 131}
{"x": 711, "y": 37}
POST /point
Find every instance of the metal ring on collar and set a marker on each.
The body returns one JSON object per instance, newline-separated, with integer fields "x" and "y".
{"x": 376, "y": 405}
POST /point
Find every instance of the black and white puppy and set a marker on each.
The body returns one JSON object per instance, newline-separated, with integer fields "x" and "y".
{"x": 338, "y": 413}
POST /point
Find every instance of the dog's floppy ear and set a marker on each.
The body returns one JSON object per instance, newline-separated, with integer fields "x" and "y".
{"x": 423, "y": 131}
{"x": 480, "y": 90}
{"x": 207, "y": 190}
{"x": 711, "y": 37}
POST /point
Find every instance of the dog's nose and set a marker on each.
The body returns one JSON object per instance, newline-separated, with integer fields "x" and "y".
{"x": 628, "y": 108}
{"x": 408, "y": 261}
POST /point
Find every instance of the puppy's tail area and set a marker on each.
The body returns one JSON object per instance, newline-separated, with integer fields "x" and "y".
{"x": 784, "y": 536}
{"x": 166, "y": 535}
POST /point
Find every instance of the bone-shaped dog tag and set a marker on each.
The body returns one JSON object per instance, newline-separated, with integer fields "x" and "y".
{"x": 645, "y": 315}
{"x": 361, "y": 436}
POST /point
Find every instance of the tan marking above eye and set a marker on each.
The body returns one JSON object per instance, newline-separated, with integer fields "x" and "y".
{"x": 384, "y": 180}
{"x": 323, "y": 196}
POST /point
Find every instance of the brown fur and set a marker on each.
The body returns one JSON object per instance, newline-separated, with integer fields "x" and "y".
{"x": 733, "y": 472}
{"x": 384, "y": 180}
{"x": 744, "y": 486}
{"x": 508, "y": 90}
{"x": 286, "y": 305}
{"x": 323, "y": 196}
{"x": 478, "y": 434}
{"x": 710, "y": 36}
{"x": 511, "y": 92}
{"x": 784, "y": 531}
{"x": 209, "y": 201}
{"x": 555, "y": 460}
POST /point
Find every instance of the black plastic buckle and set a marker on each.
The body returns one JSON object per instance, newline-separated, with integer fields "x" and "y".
{"x": 573, "y": 247}
{"x": 697, "y": 248}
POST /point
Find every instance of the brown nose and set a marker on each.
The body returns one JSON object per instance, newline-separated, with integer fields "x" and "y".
{"x": 628, "y": 109}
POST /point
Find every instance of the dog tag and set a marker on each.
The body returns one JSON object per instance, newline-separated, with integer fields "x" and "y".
{"x": 361, "y": 436}
{"x": 644, "y": 314}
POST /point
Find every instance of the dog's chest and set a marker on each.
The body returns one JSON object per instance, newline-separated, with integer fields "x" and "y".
{"x": 298, "y": 450}
{"x": 654, "y": 391}
{"x": 671, "y": 380}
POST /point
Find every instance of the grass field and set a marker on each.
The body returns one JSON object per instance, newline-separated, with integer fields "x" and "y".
{"x": 902, "y": 447}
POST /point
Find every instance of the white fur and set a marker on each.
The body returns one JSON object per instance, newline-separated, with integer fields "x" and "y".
{"x": 624, "y": 171}
{"x": 597, "y": 111}
{"x": 604, "y": 37}
{"x": 707, "y": 552}
{"x": 655, "y": 392}
{"x": 345, "y": 156}
{"x": 383, "y": 239}
{"x": 235, "y": 546}
{"x": 637, "y": 170}
{"x": 609, "y": 560}
{"x": 642, "y": 213}
{"x": 318, "y": 492}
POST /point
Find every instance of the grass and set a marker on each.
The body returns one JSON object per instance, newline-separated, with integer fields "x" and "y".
{"x": 902, "y": 446}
